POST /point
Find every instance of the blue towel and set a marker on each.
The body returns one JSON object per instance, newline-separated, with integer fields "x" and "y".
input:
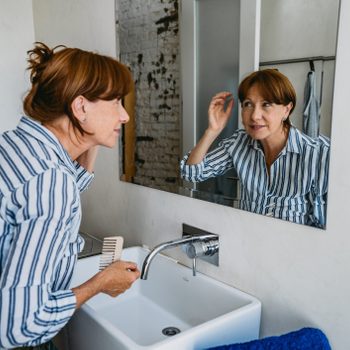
{"x": 303, "y": 339}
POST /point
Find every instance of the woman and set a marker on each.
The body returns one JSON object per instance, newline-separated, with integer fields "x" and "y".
{"x": 73, "y": 106}
{"x": 283, "y": 173}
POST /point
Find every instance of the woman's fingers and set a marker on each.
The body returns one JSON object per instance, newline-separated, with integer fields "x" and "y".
{"x": 220, "y": 99}
{"x": 126, "y": 266}
{"x": 223, "y": 94}
{"x": 119, "y": 276}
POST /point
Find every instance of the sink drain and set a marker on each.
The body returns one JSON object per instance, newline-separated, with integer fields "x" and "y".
{"x": 170, "y": 331}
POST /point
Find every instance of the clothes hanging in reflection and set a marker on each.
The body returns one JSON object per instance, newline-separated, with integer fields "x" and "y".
{"x": 311, "y": 112}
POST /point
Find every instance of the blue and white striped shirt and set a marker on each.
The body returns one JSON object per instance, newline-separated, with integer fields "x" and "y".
{"x": 40, "y": 214}
{"x": 296, "y": 188}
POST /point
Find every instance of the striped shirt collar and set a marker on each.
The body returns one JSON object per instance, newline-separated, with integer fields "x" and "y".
{"x": 293, "y": 145}
{"x": 44, "y": 135}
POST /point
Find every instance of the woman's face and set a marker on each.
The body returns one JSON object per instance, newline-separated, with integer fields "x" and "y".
{"x": 261, "y": 119}
{"x": 104, "y": 119}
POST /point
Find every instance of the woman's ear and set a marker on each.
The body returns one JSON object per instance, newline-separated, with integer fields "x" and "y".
{"x": 78, "y": 108}
{"x": 289, "y": 107}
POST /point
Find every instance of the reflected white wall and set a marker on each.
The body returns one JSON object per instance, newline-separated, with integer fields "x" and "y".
{"x": 297, "y": 29}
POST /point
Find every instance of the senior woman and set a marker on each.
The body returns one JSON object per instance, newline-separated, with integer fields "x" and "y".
{"x": 74, "y": 105}
{"x": 283, "y": 173}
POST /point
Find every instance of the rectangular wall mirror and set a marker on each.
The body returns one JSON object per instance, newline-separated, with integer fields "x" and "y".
{"x": 183, "y": 52}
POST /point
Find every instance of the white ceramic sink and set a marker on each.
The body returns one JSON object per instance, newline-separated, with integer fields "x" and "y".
{"x": 207, "y": 312}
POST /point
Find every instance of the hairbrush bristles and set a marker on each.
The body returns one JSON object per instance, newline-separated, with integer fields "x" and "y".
{"x": 111, "y": 250}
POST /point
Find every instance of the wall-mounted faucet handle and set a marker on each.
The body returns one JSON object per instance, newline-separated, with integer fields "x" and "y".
{"x": 194, "y": 266}
{"x": 192, "y": 250}
{"x": 196, "y": 249}
{"x": 199, "y": 249}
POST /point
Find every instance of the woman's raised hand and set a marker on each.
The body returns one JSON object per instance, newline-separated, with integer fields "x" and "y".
{"x": 218, "y": 115}
{"x": 218, "y": 118}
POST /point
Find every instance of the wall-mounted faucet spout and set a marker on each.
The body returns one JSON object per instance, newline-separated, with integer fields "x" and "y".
{"x": 186, "y": 239}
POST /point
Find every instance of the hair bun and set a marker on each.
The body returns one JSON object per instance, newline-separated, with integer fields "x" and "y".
{"x": 38, "y": 59}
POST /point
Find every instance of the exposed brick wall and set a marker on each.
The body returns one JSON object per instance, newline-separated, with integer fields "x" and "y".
{"x": 149, "y": 45}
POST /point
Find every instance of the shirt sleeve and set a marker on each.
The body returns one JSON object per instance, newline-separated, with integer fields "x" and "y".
{"x": 215, "y": 163}
{"x": 320, "y": 191}
{"x": 84, "y": 178}
{"x": 31, "y": 312}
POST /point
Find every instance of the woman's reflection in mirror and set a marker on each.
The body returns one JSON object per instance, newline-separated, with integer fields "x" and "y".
{"x": 283, "y": 173}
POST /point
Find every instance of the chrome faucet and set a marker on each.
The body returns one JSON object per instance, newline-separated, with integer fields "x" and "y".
{"x": 197, "y": 244}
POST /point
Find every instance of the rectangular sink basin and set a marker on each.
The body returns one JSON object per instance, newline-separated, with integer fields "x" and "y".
{"x": 170, "y": 310}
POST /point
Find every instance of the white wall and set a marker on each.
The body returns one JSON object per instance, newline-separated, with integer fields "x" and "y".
{"x": 87, "y": 24}
{"x": 300, "y": 274}
{"x": 16, "y": 37}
